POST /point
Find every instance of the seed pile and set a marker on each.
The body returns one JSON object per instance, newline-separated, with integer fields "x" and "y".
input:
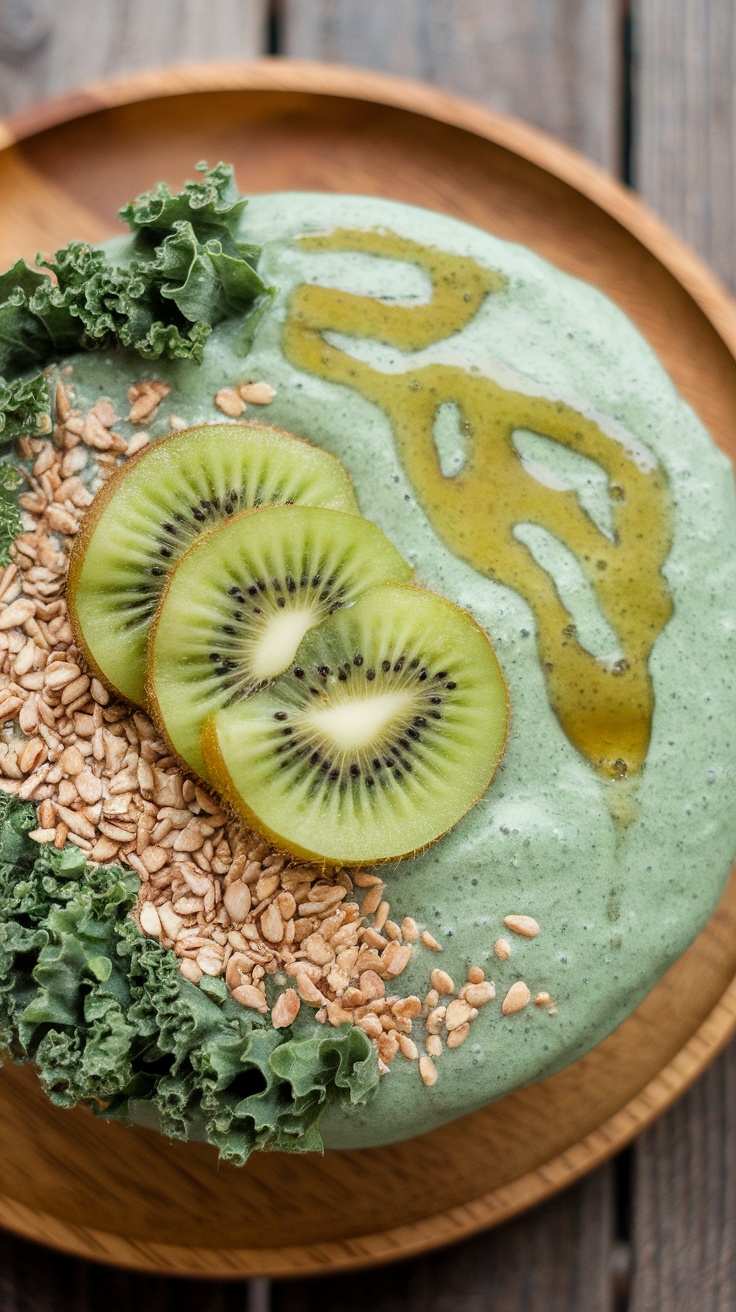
{"x": 103, "y": 779}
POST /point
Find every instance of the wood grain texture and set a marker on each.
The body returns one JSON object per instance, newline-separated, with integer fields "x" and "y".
{"x": 685, "y": 125}
{"x": 685, "y": 166}
{"x": 47, "y": 47}
{"x": 555, "y": 1259}
{"x": 555, "y": 63}
{"x": 38, "y": 207}
{"x": 128, "y": 1196}
{"x": 685, "y": 1201}
{"x": 35, "y": 1279}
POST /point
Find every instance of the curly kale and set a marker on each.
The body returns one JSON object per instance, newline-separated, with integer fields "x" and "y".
{"x": 107, "y": 1019}
{"x": 184, "y": 272}
{"x": 10, "y": 521}
{"x": 23, "y": 404}
{"x": 213, "y": 205}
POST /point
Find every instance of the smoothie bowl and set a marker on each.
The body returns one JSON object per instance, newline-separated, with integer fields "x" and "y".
{"x": 368, "y": 690}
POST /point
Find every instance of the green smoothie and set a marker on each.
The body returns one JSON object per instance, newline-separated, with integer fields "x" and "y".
{"x": 518, "y": 441}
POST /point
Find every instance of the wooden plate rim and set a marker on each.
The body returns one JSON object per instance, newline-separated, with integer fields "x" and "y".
{"x": 711, "y": 1036}
{"x": 400, "y": 1242}
{"x": 314, "y": 78}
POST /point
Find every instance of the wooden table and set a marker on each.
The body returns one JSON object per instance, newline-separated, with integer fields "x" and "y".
{"x": 647, "y": 89}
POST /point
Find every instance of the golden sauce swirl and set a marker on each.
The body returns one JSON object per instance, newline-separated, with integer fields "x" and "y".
{"x": 605, "y": 710}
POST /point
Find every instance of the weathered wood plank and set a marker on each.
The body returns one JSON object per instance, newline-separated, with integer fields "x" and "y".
{"x": 684, "y": 165}
{"x": 34, "y": 1279}
{"x": 555, "y": 63}
{"x": 556, "y": 1259}
{"x": 684, "y": 1244}
{"x": 685, "y": 121}
{"x": 46, "y": 49}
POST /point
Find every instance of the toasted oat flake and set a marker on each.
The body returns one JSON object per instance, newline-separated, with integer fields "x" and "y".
{"x": 396, "y": 958}
{"x": 150, "y": 921}
{"x": 362, "y": 879}
{"x": 286, "y": 1009}
{"x": 428, "y": 1071}
{"x": 458, "y": 1013}
{"x": 17, "y": 613}
{"x": 190, "y": 970}
{"x": 441, "y": 981}
{"x": 145, "y": 399}
{"x": 435, "y": 1020}
{"x": 237, "y": 900}
{"x": 371, "y": 1024}
{"x": 372, "y": 900}
{"x": 478, "y": 995}
{"x": 525, "y": 925}
{"x": 210, "y": 959}
{"x": 408, "y": 1048}
{"x": 42, "y": 835}
{"x": 370, "y": 985}
{"x": 231, "y": 404}
{"x": 250, "y": 996}
{"x": 257, "y": 393}
{"x": 458, "y": 1036}
{"x": 516, "y": 999}
{"x": 137, "y": 442}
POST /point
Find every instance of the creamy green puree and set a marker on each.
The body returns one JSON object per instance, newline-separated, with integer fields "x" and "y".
{"x": 620, "y": 873}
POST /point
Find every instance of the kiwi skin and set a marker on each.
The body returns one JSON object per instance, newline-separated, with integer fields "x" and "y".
{"x": 91, "y": 519}
{"x": 152, "y": 703}
{"x": 79, "y": 549}
{"x": 222, "y": 783}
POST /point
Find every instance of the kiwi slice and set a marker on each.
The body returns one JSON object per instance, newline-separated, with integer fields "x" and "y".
{"x": 387, "y": 728}
{"x": 240, "y": 601}
{"x": 156, "y": 505}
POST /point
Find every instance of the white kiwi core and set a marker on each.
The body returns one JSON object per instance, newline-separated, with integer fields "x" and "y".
{"x": 350, "y": 725}
{"x": 276, "y": 646}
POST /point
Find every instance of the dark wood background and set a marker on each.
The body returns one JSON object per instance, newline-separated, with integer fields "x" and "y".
{"x": 647, "y": 88}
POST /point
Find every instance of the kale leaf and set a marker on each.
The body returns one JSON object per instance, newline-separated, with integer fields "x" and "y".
{"x": 107, "y": 1019}
{"x": 212, "y": 205}
{"x": 184, "y": 272}
{"x": 10, "y": 521}
{"x": 24, "y": 404}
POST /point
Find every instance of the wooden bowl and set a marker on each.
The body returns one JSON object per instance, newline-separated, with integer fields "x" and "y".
{"x": 129, "y": 1196}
